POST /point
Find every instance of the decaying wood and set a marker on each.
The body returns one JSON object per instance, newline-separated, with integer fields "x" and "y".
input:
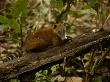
{"x": 78, "y": 45}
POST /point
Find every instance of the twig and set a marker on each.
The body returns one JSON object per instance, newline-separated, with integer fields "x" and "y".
{"x": 107, "y": 19}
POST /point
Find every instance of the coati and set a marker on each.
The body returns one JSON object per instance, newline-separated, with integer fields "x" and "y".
{"x": 41, "y": 39}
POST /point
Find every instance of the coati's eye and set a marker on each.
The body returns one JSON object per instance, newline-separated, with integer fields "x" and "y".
{"x": 55, "y": 26}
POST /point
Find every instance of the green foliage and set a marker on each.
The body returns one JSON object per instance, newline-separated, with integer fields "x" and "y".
{"x": 57, "y": 4}
{"x": 3, "y": 19}
{"x": 45, "y": 75}
{"x": 92, "y": 2}
{"x": 14, "y": 80}
{"x": 69, "y": 70}
{"x": 14, "y": 24}
{"x": 78, "y": 13}
{"x": 14, "y": 37}
{"x": 98, "y": 79}
{"x": 54, "y": 68}
{"x": 10, "y": 22}
{"x": 20, "y": 9}
{"x": 18, "y": 15}
{"x": 42, "y": 76}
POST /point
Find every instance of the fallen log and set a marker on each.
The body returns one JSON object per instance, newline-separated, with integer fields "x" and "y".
{"x": 79, "y": 45}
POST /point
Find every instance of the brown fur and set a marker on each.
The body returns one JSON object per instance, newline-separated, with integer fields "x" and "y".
{"x": 42, "y": 38}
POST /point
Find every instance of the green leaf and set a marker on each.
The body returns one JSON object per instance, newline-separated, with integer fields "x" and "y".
{"x": 98, "y": 79}
{"x": 10, "y": 22}
{"x": 14, "y": 24}
{"x": 54, "y": 68}
{"x": 20, "y": 8}
{"x": 14, "y": 80}
{"x": 57, "y": 4}
{"x": 15, "y": 38}
{"x": 3, "y": 19}
{"x": 78, "y": 13}
{"x": 92, "y": 2}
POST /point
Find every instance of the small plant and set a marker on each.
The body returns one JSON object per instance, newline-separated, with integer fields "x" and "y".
{"x": 16, "y": 18}
{"x": 42, "y": 76}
